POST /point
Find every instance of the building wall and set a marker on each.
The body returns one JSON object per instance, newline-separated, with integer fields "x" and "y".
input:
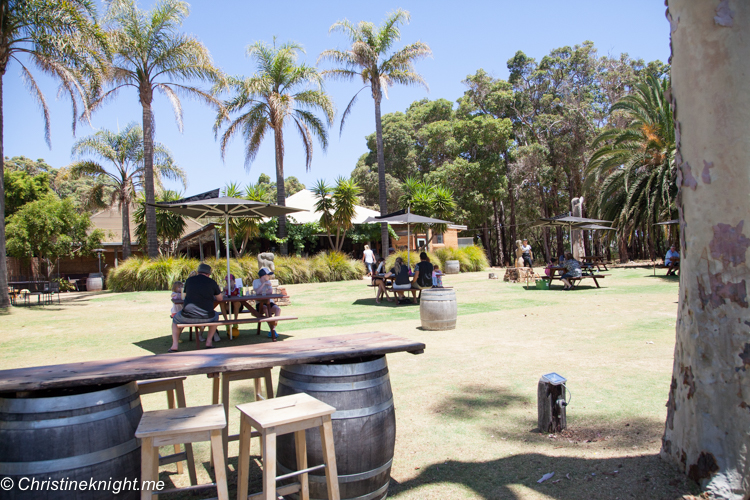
{"x": 450, "y": 240}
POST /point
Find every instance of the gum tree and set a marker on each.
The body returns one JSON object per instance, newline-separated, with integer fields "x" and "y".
{"x": 708, "y": 411}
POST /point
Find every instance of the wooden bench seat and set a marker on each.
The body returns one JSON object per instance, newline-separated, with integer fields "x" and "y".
{"x": 238, "y": 321}
{"x": 574, "y": 280}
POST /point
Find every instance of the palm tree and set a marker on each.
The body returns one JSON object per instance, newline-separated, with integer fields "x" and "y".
{"x": 282, "y": 90}
{"x": 429, "y": 200}
{"x": 338, "y": 205}
{"x": 124, "y": 151}
{"x": 367, "y": 60}
{"x": 634, "y": 166}
{"x": 150, "y": 55}
{"x": 170, "y": 225}
{"x": 55, "y": 37}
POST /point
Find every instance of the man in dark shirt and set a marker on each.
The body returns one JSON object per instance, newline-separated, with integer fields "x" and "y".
{"x": 200, "y": 293}
{"x": 422, "y": 274}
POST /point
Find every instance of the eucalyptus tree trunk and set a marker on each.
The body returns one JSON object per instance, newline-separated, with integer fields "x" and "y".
{"x": 708, "y": 411}
{"x": 381, "y": 172}
{"x": 500, "y": 249}
{"x": 125, "y": 211}
{"x": 152, "y": 242}
{"x": 280, "y": 189}
{"x": 4, "y": 297}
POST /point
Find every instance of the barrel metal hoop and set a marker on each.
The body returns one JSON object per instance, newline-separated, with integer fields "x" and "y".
{"x": 346, "y": 478}
{"x": 362, "y": 412}
{"x": 369, "y": 496}
{"x": 337, "y": 387}
{"x": 64, "y": 403}
{"x": 338, "y": 370}
{"x": 60, "y": 464}
{"x": 64, "y": 422}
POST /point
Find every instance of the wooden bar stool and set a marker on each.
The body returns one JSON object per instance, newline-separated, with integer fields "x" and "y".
{"x": 275, "y": 417}
{"x": 173, "y": 387}
{"x": 181, "y": 425}
{"x": 222, "y": 380}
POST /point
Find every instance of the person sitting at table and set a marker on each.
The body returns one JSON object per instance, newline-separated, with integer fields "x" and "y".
{"x": 227, "y": 308}
{"x": 672, "y": 260}
{"x": 548, "y": 269}
{"x": 422, "y": 275}
{"x": 263, "y": 286}
{"x": 378, "y": 280}
{"x": 400, "y": 274}
{"x": 198, "y": 307}
{"x": 572, "y": 270}
{"x": 176, "y": 294}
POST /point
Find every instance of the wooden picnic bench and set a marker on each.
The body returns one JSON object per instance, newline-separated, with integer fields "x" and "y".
{"x": 596, "y": 260}
{"x": 573, "y": 281}
{"x": 238, "y": 321}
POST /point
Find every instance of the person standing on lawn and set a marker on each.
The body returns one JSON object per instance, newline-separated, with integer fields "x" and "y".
{"x": 528, "y": 255}
{"x": 198, "y": 307}
{"x": 263, "y": 286}
{"x": 368, "y": 257}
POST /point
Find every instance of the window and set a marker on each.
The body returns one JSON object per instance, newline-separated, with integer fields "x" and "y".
{"x": 439, "y": 239}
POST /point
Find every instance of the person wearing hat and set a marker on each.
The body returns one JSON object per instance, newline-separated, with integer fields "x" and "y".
{"x": 198, "y": 307}
{"x": 263, "y": 286}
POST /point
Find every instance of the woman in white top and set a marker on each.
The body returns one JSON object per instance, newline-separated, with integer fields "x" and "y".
{"x": 368, "y": 257}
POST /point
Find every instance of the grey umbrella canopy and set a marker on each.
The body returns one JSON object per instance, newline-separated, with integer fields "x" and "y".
{"x": 667, "y": 223}
{"x": 571, "y": 223}
{"x": 595, "y": 227}
{"x": 210, "y": 204}
{"x": 407, "y": 218}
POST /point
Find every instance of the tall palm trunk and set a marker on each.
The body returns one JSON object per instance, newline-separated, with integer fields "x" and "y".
{"x": 280, "y": 192}
{"x": 381, "y": 172}
{"x": 4, "y": 298}
{"x": 152, "y": 242}
{"x": 125, "y": 209}
{"x": 706, "y": 431}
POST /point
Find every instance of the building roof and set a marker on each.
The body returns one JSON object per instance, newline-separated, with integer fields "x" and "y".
{"x": 306, "y": 200}
{"x": 109, "y": 221}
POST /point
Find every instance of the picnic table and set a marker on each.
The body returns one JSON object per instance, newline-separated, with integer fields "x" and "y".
{"x": 596, "y": 260}
{"x": 573, "y": 281}
{"x": 242, "y": 299}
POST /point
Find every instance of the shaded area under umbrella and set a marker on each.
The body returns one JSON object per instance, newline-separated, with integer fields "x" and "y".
{"x": 210, "y": 204}
{"x": 408, "y": 218}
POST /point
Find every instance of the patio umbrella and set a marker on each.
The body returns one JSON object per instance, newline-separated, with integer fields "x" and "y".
{"x": 210, "y": 204}
{"x": 570, "y": 222}
{"x": 667, "y": 223}
{"x": 407, "y": 218}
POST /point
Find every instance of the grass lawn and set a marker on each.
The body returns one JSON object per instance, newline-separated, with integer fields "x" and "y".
{"x": 465, "y": 409}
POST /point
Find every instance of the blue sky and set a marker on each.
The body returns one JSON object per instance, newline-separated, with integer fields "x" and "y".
{"x": 464, "y": 37}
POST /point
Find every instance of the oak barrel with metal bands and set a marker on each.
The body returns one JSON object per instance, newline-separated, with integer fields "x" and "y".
{"x": 364, "y": 424}
{"x": 71, "y": 435}
{"x": 438, "y": 309}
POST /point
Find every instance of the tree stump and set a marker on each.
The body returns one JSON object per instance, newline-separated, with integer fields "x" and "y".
{"x": 551, "y": 414}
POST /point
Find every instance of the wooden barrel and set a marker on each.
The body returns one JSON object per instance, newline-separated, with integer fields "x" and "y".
{"x": 438, "y": 309}
{"x": 452, "y": 267}
{"x": 364, "y": 425}
{"x": 95, "y": 282}
{"x": 71, "y": 435}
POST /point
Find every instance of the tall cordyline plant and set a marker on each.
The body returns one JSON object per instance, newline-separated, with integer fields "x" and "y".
{"x": 282, "y": 91}
{"x": 337, "y": 206}
{"x": 62, "y": 40}
{"x": 149, "y": 54}
{"x": 368, "y": 59}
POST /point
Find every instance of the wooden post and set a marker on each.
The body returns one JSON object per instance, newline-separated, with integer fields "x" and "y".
{"x": 552, "y": 416}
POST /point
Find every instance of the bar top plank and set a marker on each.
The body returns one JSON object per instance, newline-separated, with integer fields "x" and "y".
{"x": 228, "y": 359}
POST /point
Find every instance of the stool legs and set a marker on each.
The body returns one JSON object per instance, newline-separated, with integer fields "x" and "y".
{"x": 329, "y": 458}
{"x": 220, "y": 470}
{"x": 243, "y": 467}
{"x": 269, "y": 465}
{"x": 300, "y": 445}
{"x": 149, "y": 468}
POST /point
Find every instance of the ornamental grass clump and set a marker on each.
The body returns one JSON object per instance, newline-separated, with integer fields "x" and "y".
{"x": 292, "y": 269}
{"x": 336, "y": 266}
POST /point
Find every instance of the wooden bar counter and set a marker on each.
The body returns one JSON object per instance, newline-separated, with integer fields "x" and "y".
{"x": 233, "y": 358}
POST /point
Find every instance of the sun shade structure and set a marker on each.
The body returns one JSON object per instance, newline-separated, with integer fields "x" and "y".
{"x": 210, "y": 204}
{"x": 667, "y": 223}
{"x": 571, "y": 223}
{"x": 408, "y": 218}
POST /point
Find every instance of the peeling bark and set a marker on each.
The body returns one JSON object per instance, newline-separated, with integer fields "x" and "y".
{"x": 708, "y": 412}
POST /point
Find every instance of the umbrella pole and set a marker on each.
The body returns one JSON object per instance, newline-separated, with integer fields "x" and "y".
{"x": 226, "y": 228}
{"x": 408, "y": 239}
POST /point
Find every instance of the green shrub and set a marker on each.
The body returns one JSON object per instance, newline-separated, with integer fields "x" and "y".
{"x": 476, "y": 257}
{"x": 470, "y": 259}
{"x": 140, "y": 273}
